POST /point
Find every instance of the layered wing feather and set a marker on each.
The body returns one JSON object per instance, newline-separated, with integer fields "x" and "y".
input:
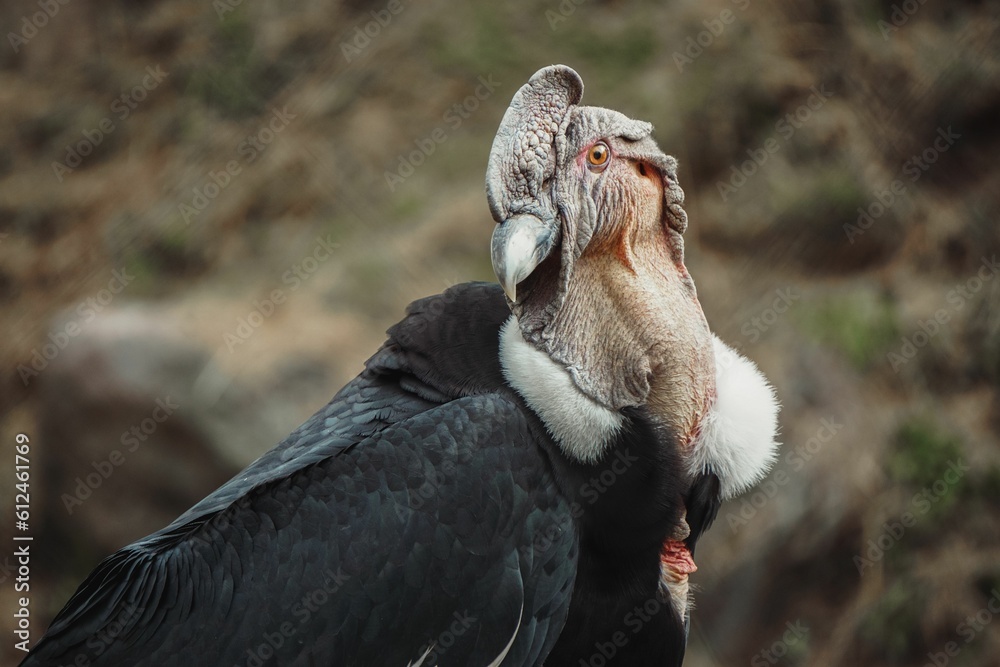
{"x": 392, "y": 528}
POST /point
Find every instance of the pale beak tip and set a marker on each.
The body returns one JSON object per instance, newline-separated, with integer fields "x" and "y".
{"x": 519, "y": 244}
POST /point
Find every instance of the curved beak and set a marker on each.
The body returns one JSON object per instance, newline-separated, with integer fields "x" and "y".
{"x": 519, "y": 244}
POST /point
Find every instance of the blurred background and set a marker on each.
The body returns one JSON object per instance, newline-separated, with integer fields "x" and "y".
{"x": 210, "y": 212}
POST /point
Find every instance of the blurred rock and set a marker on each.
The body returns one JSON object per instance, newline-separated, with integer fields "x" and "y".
{"x": 140, "y": 425}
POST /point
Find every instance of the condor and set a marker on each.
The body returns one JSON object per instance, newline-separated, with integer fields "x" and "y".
{"x": 518, "y": 477}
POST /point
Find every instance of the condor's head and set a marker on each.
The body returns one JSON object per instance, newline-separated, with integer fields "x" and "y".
{"x": 590, "y": 252}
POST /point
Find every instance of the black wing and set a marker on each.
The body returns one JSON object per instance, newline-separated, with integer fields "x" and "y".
{"x": 392, "y": 528}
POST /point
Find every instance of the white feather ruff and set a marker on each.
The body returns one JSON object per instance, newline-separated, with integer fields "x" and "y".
{"x": 737, "y": 438}
{"x": 582, "y": 426}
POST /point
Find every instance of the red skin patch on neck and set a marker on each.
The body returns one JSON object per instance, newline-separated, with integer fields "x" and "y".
{"x": 676, "y": 557}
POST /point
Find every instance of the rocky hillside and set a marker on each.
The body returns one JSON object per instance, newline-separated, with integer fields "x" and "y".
{"x": 211, "y": 211}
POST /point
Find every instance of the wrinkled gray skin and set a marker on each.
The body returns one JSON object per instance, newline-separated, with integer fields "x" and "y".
{"x": 592, "y": 259}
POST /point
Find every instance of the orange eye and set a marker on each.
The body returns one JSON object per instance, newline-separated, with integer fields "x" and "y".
{"x": 598, "y": 155}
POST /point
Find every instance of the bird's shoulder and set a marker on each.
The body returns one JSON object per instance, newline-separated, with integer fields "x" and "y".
{"x": 443, "y": 350}
{"x": 433, "y": 392}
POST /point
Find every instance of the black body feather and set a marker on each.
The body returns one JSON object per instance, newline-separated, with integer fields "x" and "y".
{"x": 424, "y": 510}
